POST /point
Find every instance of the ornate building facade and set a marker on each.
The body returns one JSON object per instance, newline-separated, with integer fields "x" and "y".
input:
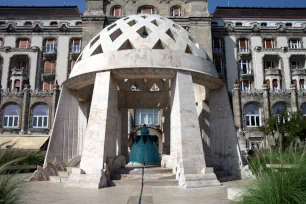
{"x": 258, "y": 52}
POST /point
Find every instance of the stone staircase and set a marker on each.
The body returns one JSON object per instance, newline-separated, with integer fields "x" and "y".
{"x": 62, "y": 176}
{"x": 223, "y": 175}
{"x": 155, "y": 176}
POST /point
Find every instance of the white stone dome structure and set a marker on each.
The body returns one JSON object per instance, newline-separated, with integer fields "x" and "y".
{"x": 144, "y": 41}
{"x": 143, "y": 62}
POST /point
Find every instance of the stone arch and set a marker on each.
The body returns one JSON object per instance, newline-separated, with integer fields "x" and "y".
{"x": 156, "y": 11}
{"x": 171, "y": 12}
{"x": 111, "y": 11}
{"x": 279, "y": 105}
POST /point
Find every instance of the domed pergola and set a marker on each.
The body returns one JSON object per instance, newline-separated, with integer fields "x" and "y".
{"x": 144, "y": 61}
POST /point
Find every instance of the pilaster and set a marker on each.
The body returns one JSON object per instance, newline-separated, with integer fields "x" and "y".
{"x": 294, "y": 100}
{"x": 25, "y": 109}
{"x": 266, "y": 99}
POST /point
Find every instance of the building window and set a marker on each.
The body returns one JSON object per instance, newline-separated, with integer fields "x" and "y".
{"x": 238, "y": 24}
{"x": 295, "y": 44}
{"x": 1, "y": 43}
{"x": 245, "y": 66}
{"x": 214, "y": 24}
{"x": 11, "y": 116}
{"x": 288, "y": 24}
{"x": 146, "y": 10}
{"x": 243, "y": 45}
{"x": 40, "y": 116}
{"x": 252, "y": 115}
{"x": 264, "y": 24}
{"x": 303, "y": 108}
{"x": 48, "y": 85}
{"x": 176, "y": 11}
{"x": 294, "y": 83}
{"x": 245, "y": 85}
{"x": 54, "y": 23}
{"x": 278, "y": 107}
{"x": 72, "y": 63}
{"x": 275, "y": 84}
{"x": 49, "y": 66}
{"x": 116, "y": 11}
{"x": 269, "y": 43}
{"x": 79, "y": 23}
{"x": 219, "y": 64}
{"x": 76, "y": 45}
{"x": 271, "y": 64}
{"x": 28, "y": 24}
{"x": 296, "y": 65}
{"x": 268, "y": 83}
{"x": 23, "y": 43}
{"x": 2, "y": 23}
{"x": 50, "y": 46}
{"x": 146, "y": 116}
{"x": 217, "y": 44}
{"x": 302, "y": 84}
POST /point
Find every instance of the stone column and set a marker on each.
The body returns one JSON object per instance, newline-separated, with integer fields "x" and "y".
{"x": 124, "y": 133}
{"x": 266, "y": 99}
{"x": 186, "y": 144}
{"x": 100, "y": 138}
{"x": 294, "y": 101}
{"x": 25, "y": 109}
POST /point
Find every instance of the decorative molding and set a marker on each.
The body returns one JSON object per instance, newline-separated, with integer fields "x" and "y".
{"x": 8, "y": 49}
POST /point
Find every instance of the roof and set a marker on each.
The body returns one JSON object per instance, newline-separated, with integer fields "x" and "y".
{"x": 37, "y": 12}
{"x": 260, "y": 12}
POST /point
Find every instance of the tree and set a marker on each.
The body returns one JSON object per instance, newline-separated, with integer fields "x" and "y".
{"x": 292, "y": 126}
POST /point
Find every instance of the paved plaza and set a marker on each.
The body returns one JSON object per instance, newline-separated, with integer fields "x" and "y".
{"x": 46, "y": 192}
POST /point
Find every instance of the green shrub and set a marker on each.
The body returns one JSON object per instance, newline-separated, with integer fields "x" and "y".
{"x": 11, "y": 188}
{"x": 30, "y": 158}
{"x": 277, "y": 186}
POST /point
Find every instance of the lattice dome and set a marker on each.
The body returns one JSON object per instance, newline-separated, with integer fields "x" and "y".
{"x": 143, "y": 32}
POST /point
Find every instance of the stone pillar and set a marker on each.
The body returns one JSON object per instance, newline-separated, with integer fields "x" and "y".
{"x": 56, "y": 93}
{"x": 186, "y": 144}
{"x": 237, "y": 109}
{"x": 266, "y": 99}
{"x": 124, "y": 133}
{"x": 25, "y": 109}
{"x": 294, "y": 101}
{"x": 100, "y": 138}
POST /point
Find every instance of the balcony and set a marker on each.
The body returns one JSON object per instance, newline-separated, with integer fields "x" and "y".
{"x": 218, "y": 50}
{"x": 299, "y": 72}
{"x": 47, "y": 76}
{"x": 244, "y": 51}
{"x": 49, "y": 53}
{"x": 19, "y": 72}
{"x": 272, "y": 72}
{"x": 75, "y": 52}
{"x": 246, "y": 75}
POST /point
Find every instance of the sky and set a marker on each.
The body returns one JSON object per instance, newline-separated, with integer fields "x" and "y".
{"x": 212, "y": 3}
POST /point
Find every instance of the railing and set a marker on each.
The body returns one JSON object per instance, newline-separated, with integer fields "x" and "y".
{"x": 19, "y": 71}
{"x": 272, "y": 71}
{"x": 218, "y": 50}
{"x": 244, "y": 50}
{"x": 49, "y": 50}
{"x": 299, "y": 71}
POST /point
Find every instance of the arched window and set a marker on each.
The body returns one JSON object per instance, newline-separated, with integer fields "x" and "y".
{"x": 176, "y": 11}
{"x": 303, "y": 109}
{"x": 11, "y": 116}
{"x": 146, "y": 10}
{"x": 252, "y": 115}
{"x": 40, "y": 116}
{"x": 116, "y": 11}
{"x": 278, "y": 107}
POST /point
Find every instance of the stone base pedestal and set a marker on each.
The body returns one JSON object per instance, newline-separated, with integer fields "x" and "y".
{"x": 96, "y": 180}
{"x": 201, "y": 180}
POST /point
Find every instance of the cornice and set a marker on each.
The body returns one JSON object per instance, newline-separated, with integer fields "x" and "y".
{"x": 8, "y": 49}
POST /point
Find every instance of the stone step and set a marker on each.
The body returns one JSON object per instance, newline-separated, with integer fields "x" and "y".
{"x": 63, "y": 174}
{"x": 164, "y": 182}
{"x": 202, "y": 183}
{"x": 227, "y": 178}
{"x": 133, "y": 170}
{"x": 139, "y": 176}
{"x": 221, "y": 173}
{"x": 58, "y": 179}
{"x": 199, "y": 177}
